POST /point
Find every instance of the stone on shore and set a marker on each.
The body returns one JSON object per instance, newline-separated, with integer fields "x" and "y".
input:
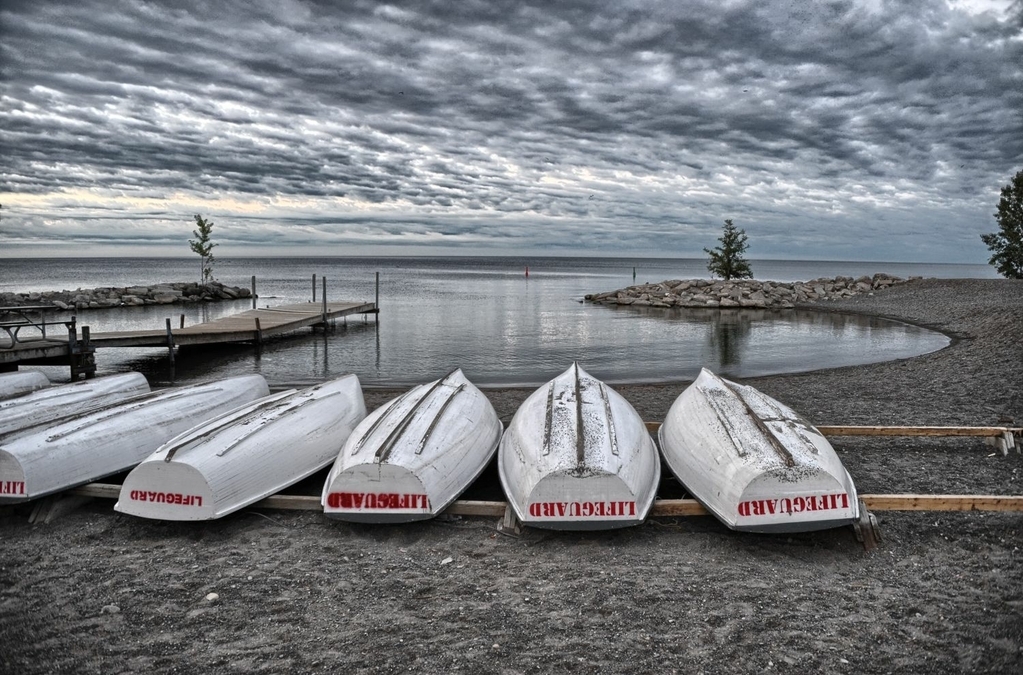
{"x": 131, "y": 296}
{"x": 745, "y": 293}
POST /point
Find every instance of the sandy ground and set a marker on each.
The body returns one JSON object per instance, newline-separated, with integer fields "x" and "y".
{"x": 98, "y": 592}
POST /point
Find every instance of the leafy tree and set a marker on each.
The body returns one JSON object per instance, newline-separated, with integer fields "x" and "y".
{"x": 202, "y": 246}
{"x": 1006, "y": 246}
{"x": 726, "y": 260}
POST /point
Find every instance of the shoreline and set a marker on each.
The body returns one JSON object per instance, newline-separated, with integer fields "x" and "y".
{"x": 100, "y": 592}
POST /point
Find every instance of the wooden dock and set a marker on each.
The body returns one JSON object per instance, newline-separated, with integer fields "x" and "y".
{"x": 254, "y": 325}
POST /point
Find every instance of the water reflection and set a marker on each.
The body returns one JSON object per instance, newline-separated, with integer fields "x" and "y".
{"x": 729, "y": 334}
{"x": 617, "y": 344}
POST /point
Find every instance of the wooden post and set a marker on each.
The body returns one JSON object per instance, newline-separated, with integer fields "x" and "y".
{"x": 170, "y": 341}
{"x": 72, "y": 350}
{"x": 259, "y": 333}
{"x": 376, "y": 302}
{"x": 324, "y": 303}
{"x": 314, "y": 288}
{"x": 87, "y": 358}
{"x": 254, "y": 291}
{"x": 182, "y": 322}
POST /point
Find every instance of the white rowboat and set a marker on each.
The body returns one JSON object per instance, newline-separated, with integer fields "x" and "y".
{"x": 89, "y": 446}
{"x": 410, "y": 458}
{"x": 21, "y": 382}
{"x": 577, "y": 456}
{"x": 250, "y": 453}
{"x": 754, "y": 462}
{"x": 47, "y": 406}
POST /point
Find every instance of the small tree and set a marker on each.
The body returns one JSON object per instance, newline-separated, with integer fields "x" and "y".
{"x": 1006, "y": 246}
{"x": 203, "y": 247}
{"x": 726, "y": 260}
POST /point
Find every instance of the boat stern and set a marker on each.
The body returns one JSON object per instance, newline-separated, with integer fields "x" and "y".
{"x": 376, "y": 493}
{"x": 13, "y": 486}
{"x": 597, "y": 501}
{"x": 774, "y": 502}
{"x": 166, "y": 491}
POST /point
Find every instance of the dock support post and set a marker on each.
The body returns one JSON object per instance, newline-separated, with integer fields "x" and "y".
{"x": 314, "y": 288}
{"x": 170, "y": 341}
{"x": 376, "y": 302}
{"x": 259, "y": 334}
{"x": 72, "y": 349}
{"x": 87, "y": 355}
{"x": 182, "y": 322}
{"x": 254, "y": 291}
{"x": 324, "y": 303}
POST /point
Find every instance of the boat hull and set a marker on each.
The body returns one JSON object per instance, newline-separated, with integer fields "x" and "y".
{"x": 754, "y": 463}
{"x": 412, "y": 457}
{"x": 95, "y": 444}
{"x": 48, "y": 406}
{"x": 248, "y": 454}
{"x": 577, "y": 456}
{"x": 21, "y": 382}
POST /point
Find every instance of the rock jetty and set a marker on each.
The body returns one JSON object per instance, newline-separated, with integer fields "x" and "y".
{"x": 127, "y": 296}
{"x": 744, "y": 293}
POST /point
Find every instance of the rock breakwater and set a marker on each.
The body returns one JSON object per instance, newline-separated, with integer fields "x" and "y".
{"x": 744, "y": 293}
{"x": 127, "y": 296}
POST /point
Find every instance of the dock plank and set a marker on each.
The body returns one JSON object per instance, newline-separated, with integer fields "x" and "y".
{"x": 239, "y": 327}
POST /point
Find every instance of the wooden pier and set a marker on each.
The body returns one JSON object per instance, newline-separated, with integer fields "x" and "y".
{"x": 254, "y": 325}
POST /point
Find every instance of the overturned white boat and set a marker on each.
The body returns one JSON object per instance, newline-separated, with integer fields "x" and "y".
{"x": 410, "y": 458}
{"x": 48, "y": 406}
{"x": 91, "y": 445}
{"x": 753, "y": 462}
{"x": 577, "y": 456}
{"x": 235, "y": 460}
{"x": 21, "y": 382}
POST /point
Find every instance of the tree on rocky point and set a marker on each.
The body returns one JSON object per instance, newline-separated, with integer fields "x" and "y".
{"x": 726, "y": 260}
{"x": 202, "y": 246}
{"x": 1006, "y": 246}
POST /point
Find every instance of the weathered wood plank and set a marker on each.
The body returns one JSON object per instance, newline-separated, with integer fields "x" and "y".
{"x": 915, "y": 431}
{"x": 999, "y": 432}
{"x": 237, "y": 327}
{"x": 943, "y": 502}
{"x": 661, "y": 507}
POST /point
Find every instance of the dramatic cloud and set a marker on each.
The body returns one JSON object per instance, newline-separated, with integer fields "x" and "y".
{"x": 845, "y": 130}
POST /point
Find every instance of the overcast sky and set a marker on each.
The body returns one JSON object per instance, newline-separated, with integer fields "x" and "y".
{"x": 863, "y": 130}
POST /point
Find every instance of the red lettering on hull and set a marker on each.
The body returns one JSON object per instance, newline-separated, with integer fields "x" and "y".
{"x": 790, "y": 505}
{"x": 12, "y": 487}
{"x": 377, "y": 501}
{"x": 582, "y": 510}
{"x": 175, "y": 498}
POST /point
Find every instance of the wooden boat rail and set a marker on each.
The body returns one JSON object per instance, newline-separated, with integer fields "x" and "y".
{"x": 1003, "y": 438}
{"x": 662, "y": 508}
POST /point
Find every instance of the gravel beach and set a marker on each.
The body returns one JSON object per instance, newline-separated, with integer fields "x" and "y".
{"x": 99, "y": 592}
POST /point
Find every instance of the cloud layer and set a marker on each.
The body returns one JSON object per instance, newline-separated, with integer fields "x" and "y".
{"x": 845, "y": 130}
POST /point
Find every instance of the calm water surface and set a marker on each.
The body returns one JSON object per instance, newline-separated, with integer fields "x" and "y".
{"x": 487, "y": 317}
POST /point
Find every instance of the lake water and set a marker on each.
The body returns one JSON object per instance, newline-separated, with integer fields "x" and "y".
{"x": 487, "y": 317}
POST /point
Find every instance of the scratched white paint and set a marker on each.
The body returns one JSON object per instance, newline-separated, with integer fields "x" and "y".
{"x": 748, "y": 458}
{"x": 573, "y": 444}
{"x": 21, "y": 382}
{"x": 100, "y": 443}
{"x": 433, "y": 441}
{"x": 50, "y": 405}
{"x": 245, "y": 455}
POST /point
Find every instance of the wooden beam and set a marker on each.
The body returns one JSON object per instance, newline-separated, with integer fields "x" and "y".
{"x": 652, "y": 427}
{"x": 943, "y": 502}
{"x": 915, "y": 431}
{"x": 661, "y": 508}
